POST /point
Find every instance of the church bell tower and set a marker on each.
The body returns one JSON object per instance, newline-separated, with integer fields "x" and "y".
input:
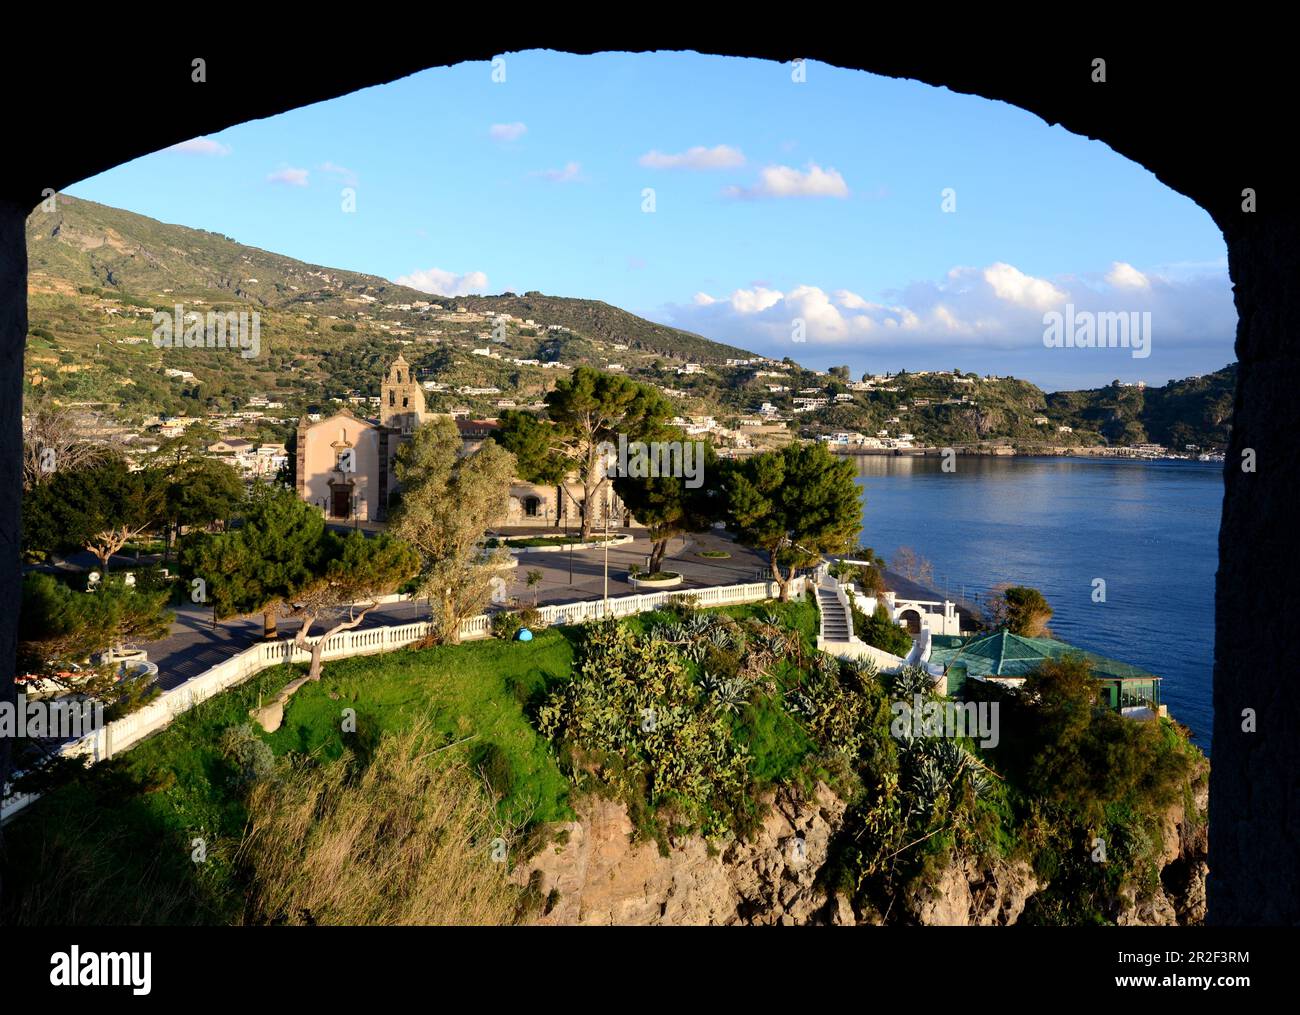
{"x": 401, "y": 399}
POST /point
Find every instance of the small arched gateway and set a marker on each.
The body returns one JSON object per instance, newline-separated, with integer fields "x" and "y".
{"x": 911, "y": 619}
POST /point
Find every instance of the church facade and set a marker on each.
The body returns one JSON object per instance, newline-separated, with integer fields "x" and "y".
{"x": 345, "y": 463}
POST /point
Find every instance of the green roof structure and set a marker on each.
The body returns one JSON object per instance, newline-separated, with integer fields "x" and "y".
{"x": 1003, "y": 654}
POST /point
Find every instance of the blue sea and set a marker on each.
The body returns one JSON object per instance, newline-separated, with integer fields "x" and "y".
{"x": 1149, "y": 529}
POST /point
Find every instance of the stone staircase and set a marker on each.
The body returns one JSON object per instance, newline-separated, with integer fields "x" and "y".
{"x": 835, "y": 630}
{"x": 836, "y": 622}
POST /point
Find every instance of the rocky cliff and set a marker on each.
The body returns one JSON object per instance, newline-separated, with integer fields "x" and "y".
{"x": 1180, "y": 899}
{"x": 591, "y": 872}
{"x": 603, "y": 878}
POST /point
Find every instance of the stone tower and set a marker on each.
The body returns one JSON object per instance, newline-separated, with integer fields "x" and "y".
{"x": 401, "y": 399}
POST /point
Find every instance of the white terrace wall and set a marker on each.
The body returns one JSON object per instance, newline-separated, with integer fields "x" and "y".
{"x": 855, "y": 647}
{"x": 938, "y": 617}
{"x": 126, "y": 732}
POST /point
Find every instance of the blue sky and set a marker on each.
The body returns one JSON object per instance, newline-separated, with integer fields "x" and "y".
{"x": 774, "y": 201}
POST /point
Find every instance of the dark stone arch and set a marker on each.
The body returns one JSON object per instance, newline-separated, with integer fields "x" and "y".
{"x": 911, "y": 619}
{"x": 1205, "y": 119}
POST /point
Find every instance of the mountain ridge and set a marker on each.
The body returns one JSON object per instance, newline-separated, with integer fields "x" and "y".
{"x": 96, "y": 274}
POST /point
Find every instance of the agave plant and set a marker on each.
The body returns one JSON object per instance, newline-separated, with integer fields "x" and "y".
{"x": 718, "y": 637}
{"x": 693, "y": 650}
{"x": 768, "y": 641}
{"x": 670, "y": 631}
{"x": 945, "y": 759}
{"x": 697, "y": 623}
{"x": 912, "y": 680}
{"x": 731, "y": 695}
{"x": 927, "y": 782}
{"x": 978, "y": 780}
{"x": 800, "y": 704}
{"x": 865, "y": 668}
{"x": 950, "y": 755}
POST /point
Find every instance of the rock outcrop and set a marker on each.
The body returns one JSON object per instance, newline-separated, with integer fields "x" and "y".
{"x": 970, "y": 894}
{"x": 591, "y": 872}
{"x": 1180, "y": 899}
{"x": 598, "y": 876}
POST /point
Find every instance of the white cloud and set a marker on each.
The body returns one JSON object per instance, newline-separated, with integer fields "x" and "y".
{"x": 348, "y": 176}
{"x": 997, "y": 307}
{"x": 720, "y": 157}
{"x": 201, "y": 146}
{"x": 571, "y": 173}
{"x": 852, "y": 301}
{"x": 1124, "y": 276}
{"x": 445, "y": 283}
{"x": 1013, "y": 285}
{"x": 507, "y": 131}
{"x": 785, "y": 181}
{"x": 821, "y": 317}
{"x": 754, "y": 301}
{"x": 290, "y": 176}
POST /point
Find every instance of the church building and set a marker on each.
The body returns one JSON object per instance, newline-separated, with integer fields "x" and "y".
{"x": 345, "y": 463}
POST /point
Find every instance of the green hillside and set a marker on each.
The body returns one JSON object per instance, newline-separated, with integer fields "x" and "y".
{"x": 97, "y": 274}
{"x": 940, "y": 410}
{"x": 601, "y": 321}
{"x": 1196, "y": 411}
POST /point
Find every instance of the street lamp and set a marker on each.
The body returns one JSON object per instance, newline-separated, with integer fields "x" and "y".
{"x": 607, "y": 548}
{"x": 561, "y": 506}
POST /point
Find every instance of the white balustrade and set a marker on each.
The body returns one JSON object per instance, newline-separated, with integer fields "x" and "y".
{"x": 123, "y": 733}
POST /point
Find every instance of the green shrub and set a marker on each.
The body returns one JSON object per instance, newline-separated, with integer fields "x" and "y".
{"x": 634, "y": 721}
{"x": 1023, "y": 611}
{"x": 249, "y": 755}
{"x": 881, "y": 632}
{"x": 506, "y": 624}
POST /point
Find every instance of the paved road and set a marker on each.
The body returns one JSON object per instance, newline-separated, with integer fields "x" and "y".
{"x": 588, "y": 568}
{"x": 194, "y": 645}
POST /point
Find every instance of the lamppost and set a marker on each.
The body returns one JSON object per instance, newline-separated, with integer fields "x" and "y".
{"x": 561, "y": 506}
{"x": 606, "y": 549}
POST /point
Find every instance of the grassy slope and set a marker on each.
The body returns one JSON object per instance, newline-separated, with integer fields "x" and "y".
{"x": 116, "y": 845}
{"x": 471, "y": 690}
{"x": 320, "y": 341}
{"x": 1195, "y": 410}
{"x": 121, "y": 836}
